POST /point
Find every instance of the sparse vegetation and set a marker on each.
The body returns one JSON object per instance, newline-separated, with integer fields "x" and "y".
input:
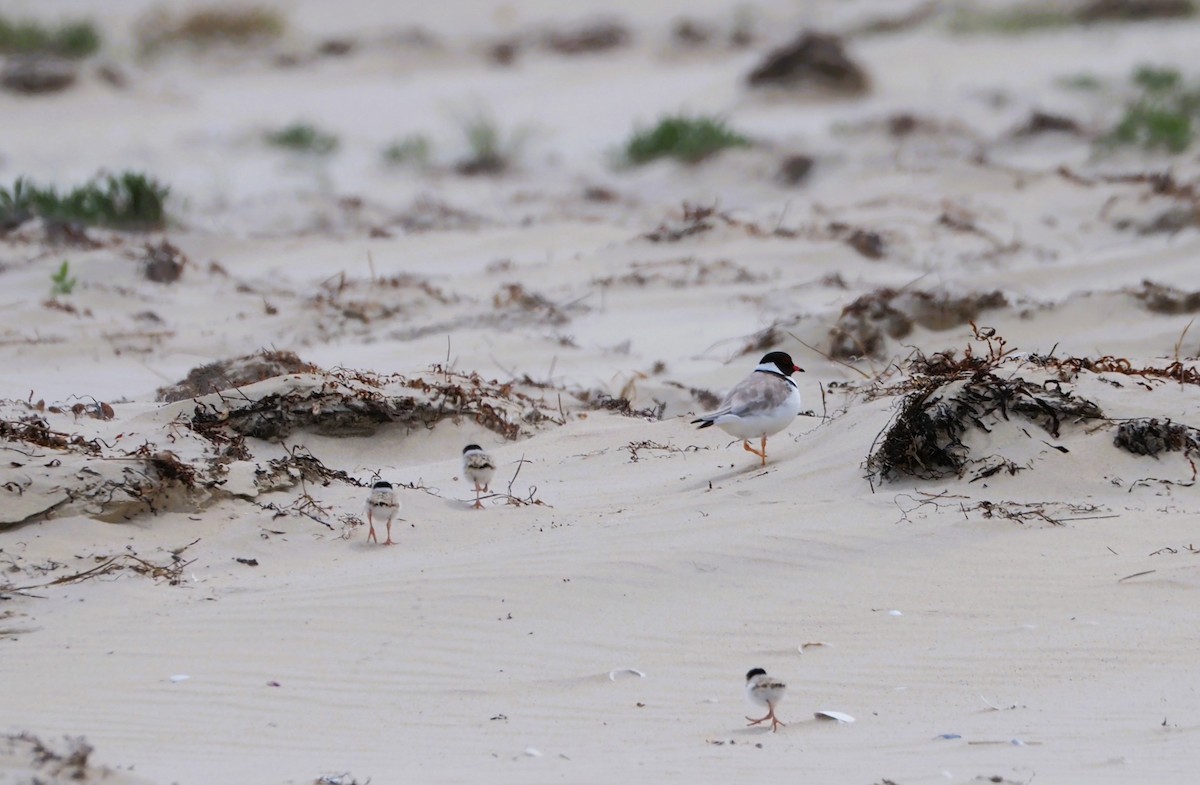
{"x": 413, "y": 149}
{"x": 1163, "y": 116}
{"x": 1014, "y": 20}
{"x": 227, "y": 25}
{"x": 688, "y": 139}
{"x": 1081, "y": 82}
{"x": 16, "y": 205}
{"x": 75, "y": 40}
{"x": 1030, "y": 16}
{"x": 492, "y": 150}
{"x": 129, "y": 201}
{"x": 303, "y": 138}
{"x": 62, "y": 283}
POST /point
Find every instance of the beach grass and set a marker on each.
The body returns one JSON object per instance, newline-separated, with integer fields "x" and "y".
{"x": 1163, "y": 115}
{"x": 303, "y": 138}
{"x": 969, "y": 19}
{"x": 414, "y": 149}
{"x": 127, "y": 201}
{"x": 491, "y": 149}
{"x": 688, "y": 139}
{"x": 75, "y": 40}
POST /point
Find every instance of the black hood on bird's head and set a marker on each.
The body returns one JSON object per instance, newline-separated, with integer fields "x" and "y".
{"x": 782, "y": 361}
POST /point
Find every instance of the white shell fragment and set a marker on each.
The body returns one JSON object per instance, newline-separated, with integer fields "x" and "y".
{"x": 837, "y": 716}
{"x": 179, "y": 677}
{"x": 895, "y": 613}
{"x": 533, "y": 752}
{"x": 615, "y": 672}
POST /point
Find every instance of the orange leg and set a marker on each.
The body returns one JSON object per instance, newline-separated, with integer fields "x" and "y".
{"x": 760, "y": 453}
{"x": 775, "y": 723}
{"x": 389, "y": 541}
{"x": 479, "y": 504}
{"x": 371, "y": 523}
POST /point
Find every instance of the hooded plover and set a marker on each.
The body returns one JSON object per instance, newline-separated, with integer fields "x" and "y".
{"x": 761, "y": 405}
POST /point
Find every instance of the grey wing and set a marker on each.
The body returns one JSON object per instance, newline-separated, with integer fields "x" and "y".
{"x": 758, "y": 393}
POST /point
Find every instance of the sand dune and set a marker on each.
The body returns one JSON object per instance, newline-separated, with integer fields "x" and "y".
{"x": 188, "y": 585}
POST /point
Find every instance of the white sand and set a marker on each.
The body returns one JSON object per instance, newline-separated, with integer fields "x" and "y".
{"x": 486, "y": 637}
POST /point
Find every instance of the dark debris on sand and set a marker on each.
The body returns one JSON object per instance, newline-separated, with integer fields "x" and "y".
{"x": 234, "y": 373}
{"x": 812, "y": 60}
{"x": 1161, "y": 298}
{"x": 354, "y": 405}
{"x": 952, "y": 395}
{"x": 36, "y": 74}
{"x": 1150, "y": 436}
{"x": 1135, "y": 10}
{"x": 863, "y": 324}
{"x": 925, "y": 438}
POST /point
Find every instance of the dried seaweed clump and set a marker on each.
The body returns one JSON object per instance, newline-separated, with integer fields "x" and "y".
{"x": 1135, "y": 10}
{"x": 950, "y": 396}
{"x": 599, "y": 400}
{"x": 813, "y": 60}
{"x": 863, "y": 324}
{"x": 1148, "y": 436}
{"x": 355, "y": 404}
{"x": 1160, "y": 298}
{"x": 925, "y": 438}
{"x": 596, "y": 36}
{"x": 35, "y": 74}
{"x": 231, "y": 374}
{"x": 67, "y": 763}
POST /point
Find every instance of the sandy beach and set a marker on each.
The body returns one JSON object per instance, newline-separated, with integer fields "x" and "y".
{"x": 977, "y": 541}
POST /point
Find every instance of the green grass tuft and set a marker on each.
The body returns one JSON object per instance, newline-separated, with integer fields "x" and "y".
{"x": 1082, "y": 82}
{"x": 413, "y": 149}
{"x": 62, "y": 282}
{"x": 75, "y": 40}
{"x": 1015, "y": 20}
{"x": 1153, "y": 127}
{"x": 1163, "y": 116}
{"x": 689, "y": 139}
{"x": 128, "y": 201}
{"x": 492, "y": 150}
{"x": 16, "y": 204}
{"x": 303, "y": 138}
{"x": 1157, "y": 80}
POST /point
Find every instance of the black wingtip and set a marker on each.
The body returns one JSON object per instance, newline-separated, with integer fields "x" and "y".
{"x": 703, "y": 423}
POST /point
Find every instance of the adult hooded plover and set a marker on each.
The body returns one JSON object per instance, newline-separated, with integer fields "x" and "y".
{"x": 479, "y": 468}
{"x": 761, "y": 405}
{"x": 762, "y": 690}
{"x": 381, "y": 501}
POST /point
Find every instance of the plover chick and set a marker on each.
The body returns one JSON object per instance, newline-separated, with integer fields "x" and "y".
{"x": 762, "y": 690}
{"x": 479, "y": 468}
{"x": 381, "y": 501}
